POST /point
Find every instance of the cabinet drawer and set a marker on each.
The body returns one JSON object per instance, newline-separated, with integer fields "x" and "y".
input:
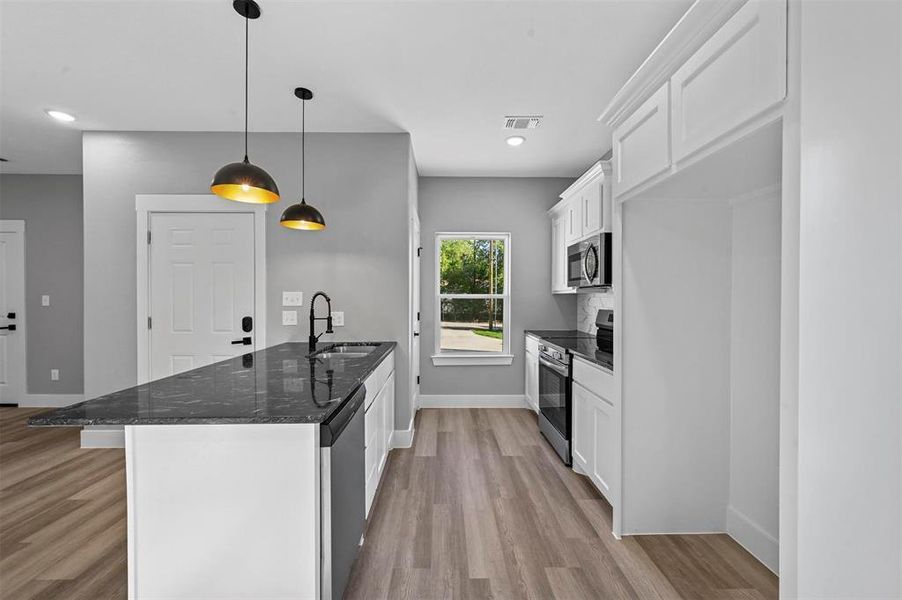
{"x": 736, "y": 75}
{"x": 642, "y": 143}
{"x": 376, "y": 381}
{"x": 594, "y": 379}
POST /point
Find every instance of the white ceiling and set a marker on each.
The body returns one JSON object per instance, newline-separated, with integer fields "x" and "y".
{"x": 447, "y": 72}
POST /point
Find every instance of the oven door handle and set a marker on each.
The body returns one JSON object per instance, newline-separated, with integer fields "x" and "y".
{"x": 560, "y": 369}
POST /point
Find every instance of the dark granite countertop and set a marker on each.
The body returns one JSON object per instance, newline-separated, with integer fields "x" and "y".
{"x": 577, "y": 343}
{"x": 280, "y": 384}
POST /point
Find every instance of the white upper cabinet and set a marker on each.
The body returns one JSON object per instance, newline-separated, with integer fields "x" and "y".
{"x": 642, "y": 143}
{"x": 559, "y": 284}
{"x": 573, "y": 211}
{"x": 736, "y": 75}
{"x": 591, "y": 197}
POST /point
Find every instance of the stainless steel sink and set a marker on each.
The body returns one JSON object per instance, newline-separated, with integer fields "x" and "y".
{"x": 346, "y": 351}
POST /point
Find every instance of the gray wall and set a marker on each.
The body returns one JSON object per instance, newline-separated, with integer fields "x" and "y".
{"x": 515, "y": 205}
{"x": 358, "y": 181}
{"x": 51, "y": 206}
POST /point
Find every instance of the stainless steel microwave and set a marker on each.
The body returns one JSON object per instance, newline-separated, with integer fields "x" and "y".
{"x": 589, "y": 262}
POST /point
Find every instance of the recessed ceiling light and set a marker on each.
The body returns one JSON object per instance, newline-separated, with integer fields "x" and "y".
{"x": 60, "y": 115}
{"x": 515, "y": 140}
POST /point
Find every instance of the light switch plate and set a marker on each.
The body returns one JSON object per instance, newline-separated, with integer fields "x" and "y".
{"x": 289, "y": 317}
{"x": 338, "y": 318}
{"x": 293, "y": 299}
{"x": 45, "y": 300}
{"x": 54, "y": 374}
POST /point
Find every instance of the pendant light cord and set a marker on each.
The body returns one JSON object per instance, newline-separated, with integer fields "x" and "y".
{"x": 303, "y": 146}
{"x": 246, "y": 42}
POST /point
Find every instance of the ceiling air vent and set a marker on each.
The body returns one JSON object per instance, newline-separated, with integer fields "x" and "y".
{"x": 522, "y": 122}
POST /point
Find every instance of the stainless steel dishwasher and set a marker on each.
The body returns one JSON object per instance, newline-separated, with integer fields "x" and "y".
{"x": 343, "y": 488}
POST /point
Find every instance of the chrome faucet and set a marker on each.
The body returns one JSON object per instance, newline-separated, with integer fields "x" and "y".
{"x": 311, "y": 341}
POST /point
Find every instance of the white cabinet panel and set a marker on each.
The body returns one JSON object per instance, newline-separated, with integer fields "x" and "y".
{"x": 532, "y": 377}
{"x": 591, "y": 200}
{"x": 573, "y": 214}
{"x": 596, "y": 433}
{"x": 378, "y": 424}
{"x": 642, "y": 143}
{"x": 736, "y": 75}
{"x": 559, "y": 283}
{"x": 583, "y": 430}
{"x": 603, "y": 462}
{"x": 388, "y": 414}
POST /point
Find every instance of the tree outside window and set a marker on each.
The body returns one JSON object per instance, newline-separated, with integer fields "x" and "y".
{"x": 473, "y": 298}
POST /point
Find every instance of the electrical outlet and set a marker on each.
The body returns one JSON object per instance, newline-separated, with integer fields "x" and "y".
{"x": 292, "y": 299}
{"x": 289, "y": 317}
{"x": 54, "y": 374}
{"x": 45, "y": 300}
{"x": 338, "y": 318}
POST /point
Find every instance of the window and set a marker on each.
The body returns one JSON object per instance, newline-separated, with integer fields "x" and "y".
{"x": 472, "y": 299}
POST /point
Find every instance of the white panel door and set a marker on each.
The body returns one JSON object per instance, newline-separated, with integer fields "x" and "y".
{"x": 201, "y": 287}
{"x": 12, "y": 312}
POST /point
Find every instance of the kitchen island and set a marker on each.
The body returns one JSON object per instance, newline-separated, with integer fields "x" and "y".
{"x": 231, "y": 469}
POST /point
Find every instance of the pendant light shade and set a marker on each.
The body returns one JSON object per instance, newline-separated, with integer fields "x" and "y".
{"x": 302, "y": 215}
{"x": 244, "y": 181}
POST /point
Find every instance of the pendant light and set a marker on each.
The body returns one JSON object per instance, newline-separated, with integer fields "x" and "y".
{"x": 244, "y": 181}
{"x": 302, "y": 215}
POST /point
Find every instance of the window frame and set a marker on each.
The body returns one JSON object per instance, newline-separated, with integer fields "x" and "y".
{"x": 462, "y": 358}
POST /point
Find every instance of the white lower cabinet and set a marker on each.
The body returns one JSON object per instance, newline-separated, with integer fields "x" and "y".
{"x": 378, "y": 424}
{"x": 596, "y": 433}
{"x": 532, "y": 380}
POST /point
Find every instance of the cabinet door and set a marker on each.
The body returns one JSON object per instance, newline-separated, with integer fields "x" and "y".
{"x": 371, "y": 430}
{"x": 603, "y": 463}
{"x": 574, "y": 216}
{"x": 591, "y": 197}
{"x": 388, "y": 414}
{"x": 583, "y": 428}
{"x": 532, "y": 380}
{"x": 559, "y": 254}
{"x": 642, "y": 143}
{"x": 736, "y": 75}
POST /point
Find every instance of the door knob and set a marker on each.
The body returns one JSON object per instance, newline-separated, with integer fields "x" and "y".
{"x": 245, "y": 341}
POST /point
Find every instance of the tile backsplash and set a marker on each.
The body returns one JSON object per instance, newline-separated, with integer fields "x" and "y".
{"x": 587, "y": 305}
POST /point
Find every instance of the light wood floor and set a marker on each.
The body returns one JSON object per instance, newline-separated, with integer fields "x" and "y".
{"x": 479, "y": 508}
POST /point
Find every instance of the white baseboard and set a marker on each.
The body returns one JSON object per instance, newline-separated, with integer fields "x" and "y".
{"x": 49, "y": 400}
{"x": 403, "y": 438}
{"x": 752, "y": 537}
{"x": 103, "y": 437}
{"x": 474, "y": 401}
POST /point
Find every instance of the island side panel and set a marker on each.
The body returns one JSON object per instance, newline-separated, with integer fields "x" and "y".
{"x": 223, "y": 511}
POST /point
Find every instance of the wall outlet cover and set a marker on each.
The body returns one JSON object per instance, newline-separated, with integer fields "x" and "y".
{"x": 45, "y": 300}
{"x": 54, "y": 374}
{"x": 289, "y": 317}
{"x": 292, "y": 298}
{"x": 338, "y": 318}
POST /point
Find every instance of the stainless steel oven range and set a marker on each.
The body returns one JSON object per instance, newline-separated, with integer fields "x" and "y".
{"x": 555, "y": 385}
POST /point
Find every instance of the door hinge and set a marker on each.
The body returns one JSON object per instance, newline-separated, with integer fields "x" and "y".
{"x": 419, "y": 251}
{"x": 149, "y": 323}
{"x": 418, "y": 380}
{"x": 148, "y": 236}
{"x": 418, "y": 315}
